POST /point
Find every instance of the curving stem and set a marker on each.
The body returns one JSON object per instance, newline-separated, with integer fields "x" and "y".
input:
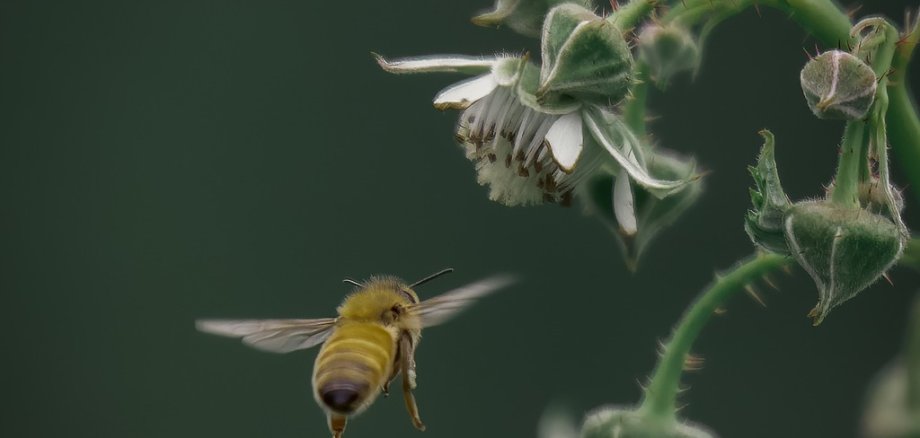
{"x": 661, "y": 394}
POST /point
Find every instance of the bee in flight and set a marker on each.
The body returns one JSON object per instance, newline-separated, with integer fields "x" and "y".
{"x": 372, "y": 340}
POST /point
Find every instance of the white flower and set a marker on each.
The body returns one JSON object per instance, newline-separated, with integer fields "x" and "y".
{"x": 530, "y": 151}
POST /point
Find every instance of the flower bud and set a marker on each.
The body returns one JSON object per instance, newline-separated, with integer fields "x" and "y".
{"x": 584, "y": 57}
{"x": 764, "y": 223}
{"x": 838, "y": 85}
{"x": 612, "y": 422}
{"x": 522, "y": 16}
{"x": 843, "y": 249}
{"x": 667, "y": 50}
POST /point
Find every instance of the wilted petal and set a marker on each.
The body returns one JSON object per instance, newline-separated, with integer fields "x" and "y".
{"x": 618, "y": 140}
{"x": 566, "y": 141}
{"x": 624, "y": 208}
{"x": 651, "y": 215}
{"x": 437, "y": 64}
{"x": 462, "y": 94}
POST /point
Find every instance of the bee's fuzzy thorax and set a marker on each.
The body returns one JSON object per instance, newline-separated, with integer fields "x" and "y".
{"x": 376, "y": 295}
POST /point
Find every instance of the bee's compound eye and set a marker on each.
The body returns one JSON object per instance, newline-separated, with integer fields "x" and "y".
{"x": 412, "y": 299}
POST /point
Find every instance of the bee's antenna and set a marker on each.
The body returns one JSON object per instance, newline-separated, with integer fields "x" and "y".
{"x": 432, "y": 277}
{"x": 352, "y": 282}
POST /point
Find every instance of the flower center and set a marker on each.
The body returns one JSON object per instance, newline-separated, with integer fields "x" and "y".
{"x": 507, "y": 141}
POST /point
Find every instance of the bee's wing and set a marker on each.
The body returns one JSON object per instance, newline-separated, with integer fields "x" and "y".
{"x": 439, "y": 309}
{"x": 274, "y": 335}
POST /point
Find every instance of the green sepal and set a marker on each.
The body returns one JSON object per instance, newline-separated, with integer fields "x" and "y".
{"x": 526, "y": 89}
{"x": 844, "y": 250}
{"x": 584, "y": 57}
{"x": 764, "y": 222}
{"x": 522, "y": 16}
{"x": 838, "y": 85}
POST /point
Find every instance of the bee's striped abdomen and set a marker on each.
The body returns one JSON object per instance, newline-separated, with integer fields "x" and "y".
{"x": 352, "y": 366}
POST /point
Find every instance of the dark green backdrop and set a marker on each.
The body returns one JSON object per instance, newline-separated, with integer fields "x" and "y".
{"x": 163, "y": 161}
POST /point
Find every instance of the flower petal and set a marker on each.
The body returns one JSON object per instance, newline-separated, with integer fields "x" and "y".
{"x": 462, "y": 94}
{"x": 624, "y": 208}
{"x": 618, "y": 140}
{"x": 566, "y": 141}
{"x": 436, "y": 64}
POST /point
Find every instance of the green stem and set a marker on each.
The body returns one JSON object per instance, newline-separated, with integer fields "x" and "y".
{"x": 823, "y": 19}
{"x": 911, "y": 256}
{"x": 884, "y": 54}
{"x": 630, "y": 14}
{"x": 661, "y": 394}
{"x": 846, "y": 183}
{"x": 903, "y": 123}
{"x": 904, "y": 50}
{"x": 689, "y": 13}
{"x": 904, "y": 133}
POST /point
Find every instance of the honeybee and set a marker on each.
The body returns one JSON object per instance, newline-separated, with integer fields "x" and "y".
{"x": 372, "y": 340}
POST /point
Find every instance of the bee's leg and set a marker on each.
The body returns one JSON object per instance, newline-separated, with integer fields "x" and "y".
{"x": 386, "y": 385}
{"x": 337, "y": 424}
{"x": 407, "y": 366}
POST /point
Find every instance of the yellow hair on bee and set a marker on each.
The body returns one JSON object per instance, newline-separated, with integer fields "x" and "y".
{"x": 378, "y": 295}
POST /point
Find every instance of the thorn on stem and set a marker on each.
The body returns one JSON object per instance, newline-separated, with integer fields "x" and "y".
{"x": 807, "y": 54}
{"x": 769, "y": 280}
{"x": 693, "y": 363}
{"x": 749, "y": 289}
{"x": 641, "y": 385}
{"x": 887, "y": 278}
{"x": 851, "y": 12}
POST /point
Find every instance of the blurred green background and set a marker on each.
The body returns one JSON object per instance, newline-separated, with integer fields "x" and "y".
{"x": 164, "y": 161}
